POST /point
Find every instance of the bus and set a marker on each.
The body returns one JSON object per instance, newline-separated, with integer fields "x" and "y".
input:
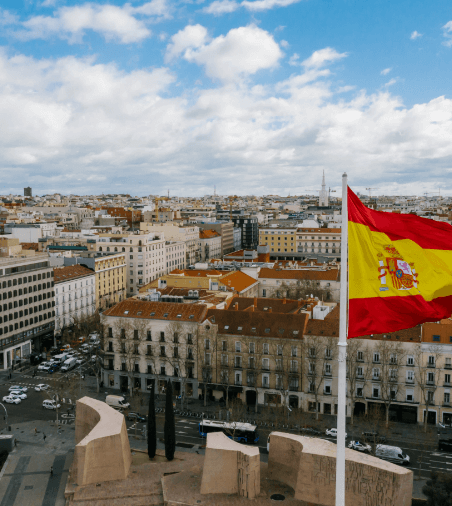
{"x": 241, "y": 432}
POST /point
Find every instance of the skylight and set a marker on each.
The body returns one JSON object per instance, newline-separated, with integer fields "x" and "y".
{"x": 226, "y": 327}
{"x": 139, "y": 312}
{"x": 267, "y": 330}
{"x": 239, "y": 328}
{"x": 191, "y": 316}
{"x": 179, "y": 316}
{"x": 126, "y": 312}
{"x": 165, "y": 315}
{"x": 152, "y": 314}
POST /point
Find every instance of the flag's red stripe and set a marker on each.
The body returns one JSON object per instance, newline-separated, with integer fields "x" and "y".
{"x": 428, "y": 234}
{"x": 379, "y": 315}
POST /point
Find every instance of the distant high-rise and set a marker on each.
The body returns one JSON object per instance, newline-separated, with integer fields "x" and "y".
{"x": 27, "y": 192}
{"x": 323, "y": 197}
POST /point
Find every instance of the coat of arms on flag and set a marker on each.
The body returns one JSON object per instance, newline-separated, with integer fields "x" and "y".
{"x": 402, "y": 274}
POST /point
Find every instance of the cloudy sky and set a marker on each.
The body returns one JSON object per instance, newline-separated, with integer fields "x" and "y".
{"x": 253, "y": 96}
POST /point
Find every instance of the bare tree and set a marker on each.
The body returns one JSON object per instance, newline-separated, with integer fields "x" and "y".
{"x": 358, "y": 371}
{"x": 427, "y": 374}
{"x": 255, "y": 349}
{"x": 226, "y": 370}
{"x": 178, "y": 352}
{"x": 320, "y": 354}
{"x": 207, "y": 347}
{"x": 387, "y": 359}
{"x": 301, "y": 289}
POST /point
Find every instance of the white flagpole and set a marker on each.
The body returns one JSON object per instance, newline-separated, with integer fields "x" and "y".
{"x": 342, "y": 372}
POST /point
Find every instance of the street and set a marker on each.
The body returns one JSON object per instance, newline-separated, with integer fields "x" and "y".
{"x": 187, "y": 428}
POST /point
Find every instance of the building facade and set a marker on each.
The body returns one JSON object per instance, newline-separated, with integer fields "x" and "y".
{"x": 75, "y": 295}
{"x": 175, "y": 253}
{"x": 27, "y": 312}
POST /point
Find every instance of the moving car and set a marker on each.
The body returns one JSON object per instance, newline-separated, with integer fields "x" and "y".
{"x": 18, "y": 393}
{"x": 11, "y": 399}
{"x": 132, "y": 415}
{"x": 116, "y": 401}
{"x": 43, "y": 366}
{"x": 360, "y": 447}
{"x": 392, "y": 454}
{"x": 41, "y": 387}
{"x": 332, "y": 432}
{"x": 48, "y": 404}
{"x": 18, "y": 387}
{"x": 69, "y": 364}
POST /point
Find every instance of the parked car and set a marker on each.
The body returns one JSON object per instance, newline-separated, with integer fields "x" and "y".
{"x": 18, "y": 387}
{"x": 132, "y": 415}
{"x": 310, "y": 431}
{"x": 360, "y": 447}
{"x": 43, "y": 366}
{"x": 41, "y": 387}
{"x": 332, "y": 432}
{"x": 372, "y": 437}
{"x": 48, "y": 404}
{"x": 11, "y": 399}
{"x": 18, "y": 393}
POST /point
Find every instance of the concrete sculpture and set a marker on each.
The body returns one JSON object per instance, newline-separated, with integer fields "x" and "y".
{"x": 308, "y": 465}
{"x": 102, "y": 450}
{"x": 230, "y": 467}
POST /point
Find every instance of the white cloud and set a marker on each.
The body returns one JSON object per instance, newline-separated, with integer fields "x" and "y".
{"x": 284, "y": 43}
{"x": 415, "y": 35}
{"x": 263, "y": 5}
{"x": 70, "y": 119}
{"x": 242, "y": 51}
{"x": 322, "y": 57}
{"x": 192, "y": 36}
{"x": 447, "y": 32}
{"x": 114, "y": 23}
{"x": 219, "y": 7}
{"x": 6, "y": 18}
{"x": 391, "y": 82}
{"x": 385, "y": 72}
{"x": 293, "y": 60}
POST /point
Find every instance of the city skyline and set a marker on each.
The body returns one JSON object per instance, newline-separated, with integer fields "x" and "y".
{"x": 249, "y": 96}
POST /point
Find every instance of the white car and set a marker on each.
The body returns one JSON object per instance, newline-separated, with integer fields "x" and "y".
{"x": 48, "y": 404}
{"x": 332, "y": 432}
{"x": 18, "y": 393}
{"x": 17, "y": 387}
{"x": 360, "y": 447}
{"x": 41, "y": 367}
{"x": 41, "y": 386}
{"x": 11, "y": 399}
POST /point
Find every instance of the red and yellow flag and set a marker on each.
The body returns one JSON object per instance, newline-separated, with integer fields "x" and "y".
{"x": 400, "y": 270}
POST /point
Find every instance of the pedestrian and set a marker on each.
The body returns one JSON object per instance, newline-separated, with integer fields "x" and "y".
{"x": 51, "y": 470}
{"x": 44, "y": 436}
{"x": 36, "y": 431}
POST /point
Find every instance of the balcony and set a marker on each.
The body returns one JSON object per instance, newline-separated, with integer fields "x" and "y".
{"x": 428, "y": 382}
{"x": 375, "y": 378}
{"x": 447, "y": 384}
{"x": 360, "y": 376}
{"x": 265, "y": 368}
{"x": 238, "y": 383}
{"x": 431, "y": 366}
{"x": 409, "y": 381}
{"x": 326, "y": 392}
{"x": 446, "y": 404}
{"x": 265, "y": 385}
{"x": 327, "y": 373}
{"x": 448, "y": 366}
{"x": 237, "y": 366}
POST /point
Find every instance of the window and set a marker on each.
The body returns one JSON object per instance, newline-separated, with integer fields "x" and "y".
{"x": 430, "y": 397}
{"x": 410, "y": 360}
{"x": 409, "y": 395}
{"x": 393, "y": 358}
{"x": 190, "y": 338}
{"x": 238, "y": 362}
{"x": 436, "y": 338}
{"x": 162, "y": 337}
{"x": 359, "y": 372}
{"x": 265, "y": 382}
{"x": 224, "y": 359}
{"x": 430, "y": 378}
{"x": 251, "y": 347}
{"x": 328, "y": 353}
{"x": 360, "y": 356}
{"x": 265, "y": 364}
{"x": 207, "y": 344}
{"x": 135, "y": 334}
{"x": 265, "y": 349}
{"x": 376, "y": 358}
{"x": 446, "y": 398}
{"x": 410, "y": 377}
{"x": 149, "y": 336}
{"x": 162, "y": 351}
{"x": 327, "y": 369}
{"x": 224, "y": 346}
{"x": 294, "y": 351}
{"x": 327, "y": 390}
{"x": 238, "y": 347}
{"x": 375, "y": 392}
{"x": 448, "y": 364}
{"x": 376, "y": 373}
{"x": 279, "y": 349}
{"x": 207, "y": 358}
{"x": 447, "y": 378}
{"x": 431, "y": 361}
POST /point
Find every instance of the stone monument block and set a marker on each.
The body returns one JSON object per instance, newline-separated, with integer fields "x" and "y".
{"x": 102, "y": 451}
{"x": 230, "y": 467}
{"x": 308, "y": 465}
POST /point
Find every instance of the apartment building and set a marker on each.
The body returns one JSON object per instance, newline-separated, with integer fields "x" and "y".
{"x": 325, "y": 241}
{"x": 27, "y": 313}
{"x": 175, "y": 252}
{"x": 75, "y": 295}
{"x": 279, "y": 239}
{"x": 111, "y": 273}
{"x": 145, "y": 256}
{"x": 209, "y": 245}
{"x": 178, "y": 232}
{"x": 277, "y": 282}
{"x": 148, "y": 343}
{"x": 227, "y": 232}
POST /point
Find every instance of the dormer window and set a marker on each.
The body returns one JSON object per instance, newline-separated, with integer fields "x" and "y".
{"x": 126, "y": 312}
{"x": 152, "y": 314}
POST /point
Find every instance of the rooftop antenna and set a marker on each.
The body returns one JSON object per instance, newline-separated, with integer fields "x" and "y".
{"x": 370, "y": 190}
{"x": 214, "y": 190}
{"x": 168, "y": 193}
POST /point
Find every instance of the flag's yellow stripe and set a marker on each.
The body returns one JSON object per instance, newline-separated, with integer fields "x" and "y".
{"x": 433, "y": 267}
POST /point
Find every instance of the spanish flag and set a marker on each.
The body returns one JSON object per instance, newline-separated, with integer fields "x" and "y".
{"x": 400, "y": 270}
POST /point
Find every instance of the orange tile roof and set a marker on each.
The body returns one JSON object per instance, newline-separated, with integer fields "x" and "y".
{"x": 208, "y": 234}
{"x": 198, "y": 272}
{"x": 133, "y": 308}
{"x": 71, "y": 272}
{"x": 238, "y": 280}
{"x": 326, "y": 275}
{"x": 268, "y": 305}
{"x": 249, "y": 323}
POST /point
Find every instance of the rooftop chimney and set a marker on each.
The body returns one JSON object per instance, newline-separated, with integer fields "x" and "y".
{"x": 269, "y": 309}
